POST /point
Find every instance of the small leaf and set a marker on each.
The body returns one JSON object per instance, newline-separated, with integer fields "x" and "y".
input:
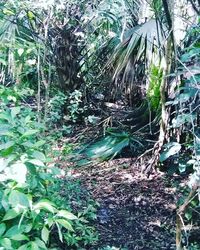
{"x": 24, "y": 247}
{"x": 188, "y": 214}
{"x": 11, "y": 214}
{"x": 65, "y": 224}
{"x": 15, "y": 111}
{"x": 17, "y": 198}
{"x": 39, "y": 144}
{"x": 34, "y": 246}
{"x": 182, "y": 167}
{"x": 39, "y": 155}
{"x": 2, "y": 228}
{"x": 20, "y": 51}
{"x": 30, "y": 132}
{"x": 45, "y": 234}
{"x": 36, "y": 162}
{"x": 46, "y": 205}
{"x": 7, "y": 145}
{"x": 67, "y": 215}
{"x": 59, "y": 232}
{"x": 6, "y": 243}
{"x": 27, "y": 228}
{"x": 40, "y": 243}
{"x": 19, "y": 237}
{"x": 13, "y": 231}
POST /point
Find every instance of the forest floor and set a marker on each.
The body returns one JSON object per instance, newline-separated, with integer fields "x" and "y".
{"x": 135, "y": 212}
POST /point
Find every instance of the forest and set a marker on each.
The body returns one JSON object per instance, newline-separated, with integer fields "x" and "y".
{"x": 100, "y": 124}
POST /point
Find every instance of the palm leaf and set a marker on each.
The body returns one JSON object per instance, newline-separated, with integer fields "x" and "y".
{"x": 138, "y": 48}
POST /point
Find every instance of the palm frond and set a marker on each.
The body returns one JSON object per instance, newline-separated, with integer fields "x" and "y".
{"x": 140, "y": 45}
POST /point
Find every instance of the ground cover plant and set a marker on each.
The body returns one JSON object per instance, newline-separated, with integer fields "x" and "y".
{"x": 99, "y": 124}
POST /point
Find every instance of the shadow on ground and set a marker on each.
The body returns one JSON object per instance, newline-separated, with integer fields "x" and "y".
{"x": 135, "y": 212}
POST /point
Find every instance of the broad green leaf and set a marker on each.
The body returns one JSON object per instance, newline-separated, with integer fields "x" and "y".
{"x": 34, "y": 246}
{"x": 39, "y": 144}
{"x": 11, "y": 214}
{"x": 18, "y": 172}
{"x": 2, "y": 228}
{"x": 67, "y": 215}
{"x": 15, "y": 230}
{"x": 39, "y": 156}
{"x": 15, "y": 111}
{"x": 6, "y": 243}
{"x": 26, "y": 228}
{"x": 30, "y": 132}
{"x": 59, "y": 232}
{"x": 36, "y": 162}
{"x": 45, "y": 234}
{"x": 19, "y": 237}
{"x": 65, "y": 224}
{"x": 50, "y": 222}
{"x": 171, "y": 148}
{"x": 46, "y": 205}
{"x": 28, "y": 144}
{"x": 18, "y": 198}
{"x": 5, "y": 116}
{"x": 188, "y": 214}
{"x": 7, "y": 145}
{"x": 40, "y": 243}
{"x": 24, "y": 247}
{"x": 4, "y": 129}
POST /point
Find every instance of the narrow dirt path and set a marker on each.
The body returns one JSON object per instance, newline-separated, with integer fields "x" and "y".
{"x": 135, "y": 212}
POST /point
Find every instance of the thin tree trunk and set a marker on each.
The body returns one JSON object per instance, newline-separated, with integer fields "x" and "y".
{"x": 39, "y": 88}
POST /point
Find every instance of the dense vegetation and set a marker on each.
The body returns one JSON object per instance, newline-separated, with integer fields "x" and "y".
{"x": 85, "y": 82}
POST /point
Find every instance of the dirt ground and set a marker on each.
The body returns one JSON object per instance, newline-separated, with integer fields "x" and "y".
{"x": 135, "y": 212}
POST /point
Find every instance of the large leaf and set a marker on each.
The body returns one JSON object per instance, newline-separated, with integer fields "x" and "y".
{"x": 171, "y": 148}
{"x": 45, "y": 205}
{"x": 67, "y": 215}
{"x": 6, "y": 243}
{"x": 45, "y": 234}
{"x": 65, "y": 224}
{"x": 141, "y": 43}
{"x": 10, "y": 214}
{"x": 15, "y": 111}
{"x": 107, "y": 148}
{"x": 17, "y": 198}
{"x": 17, "y": 172}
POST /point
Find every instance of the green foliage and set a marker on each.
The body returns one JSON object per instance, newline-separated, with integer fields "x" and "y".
{"x": 133, "y": 56}
{"x": 56, "y": 107}
{"x": 153, "y": 92}
{"x": 65, "y": 108}
{"x": 74, "y": 106}
{"x": 185, "y": 121}
{"x": 31, "y": 216}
